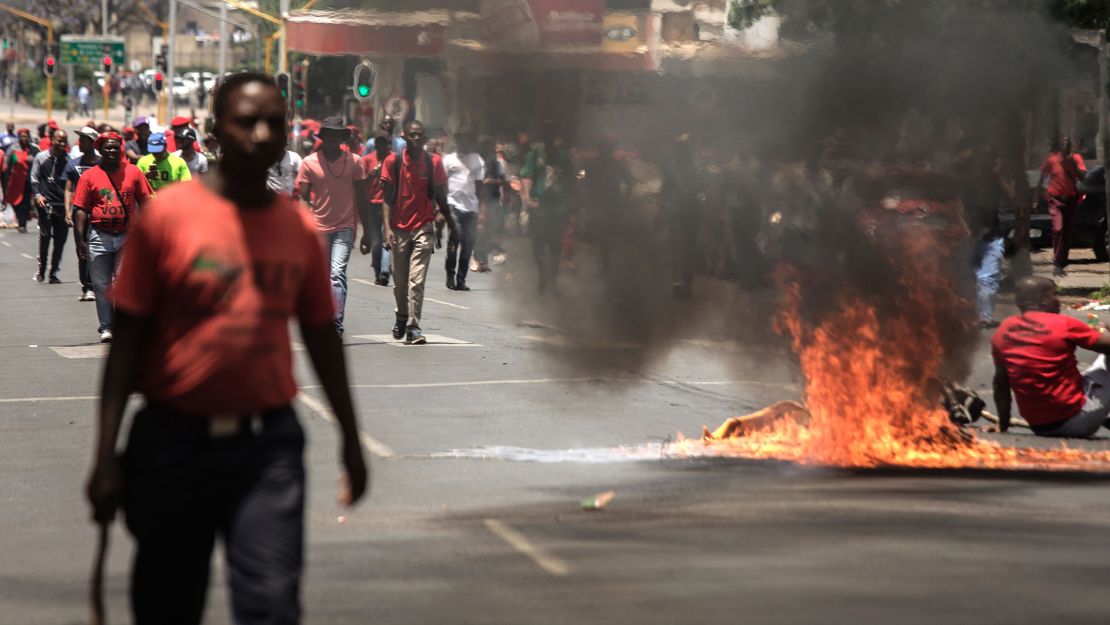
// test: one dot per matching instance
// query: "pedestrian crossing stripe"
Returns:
(100, 350)
(434, 340)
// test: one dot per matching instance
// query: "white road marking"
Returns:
(372, 445)
(363, 281)
(99, 350)
(6, 244)
(434, 340)
(426, 299)
(27, 256)
(537, 554)
(32, 400)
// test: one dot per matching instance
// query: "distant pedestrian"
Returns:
(983, 192)
(414, 186)
(83, 97)
(332, 183)
(491, 220)
(17, 177)
(465, 173)
(160, 167)
(373, 238)
(137, 148)
(388, 126)
(106, 198)
(685, 184)
(214, 271)
(546, 186)
(86, 159)
(48, 187)
(282, 175)
(1064, 170)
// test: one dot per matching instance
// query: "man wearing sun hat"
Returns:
(160, 167)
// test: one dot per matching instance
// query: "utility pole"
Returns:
(1104, 107)
(223, 41)
(104, 17)
(170, 60)
(283, 50)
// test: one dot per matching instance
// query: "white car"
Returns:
(182, 91)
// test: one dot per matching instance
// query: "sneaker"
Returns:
(37, 277)
(399, 329)
(106, 336)
(451, 282)
(87, 296)
(54, 279)
(383, 279)
(415, 337)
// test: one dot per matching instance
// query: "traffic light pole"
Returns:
(170, 61)
(49, 46)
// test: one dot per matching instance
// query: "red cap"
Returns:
(105, 137)
(181, 121)
(52, 124)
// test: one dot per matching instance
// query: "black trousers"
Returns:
(52, 227)
(185, 488)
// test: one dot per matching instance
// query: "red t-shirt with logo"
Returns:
(369, 164)
(1063, 172)
(96, 194)
(220, 284)
(1037, 350)
(413, 207)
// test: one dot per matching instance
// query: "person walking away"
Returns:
(48, 188)
(83, 96)
(465, 173)
(1064, 169)
(1034, 357)
(195, 161)
(373, 237)
(491, 222)
(160, 167)
(214, 271)
(86, 160)
(685, 185)
(282, 175)
(17, 177)
(983, 189)
(546, 185)
(107, 196)
(608, 184)
(414, 185)
(332, 183)
(137, 148)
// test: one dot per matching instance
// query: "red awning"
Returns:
(410, 34)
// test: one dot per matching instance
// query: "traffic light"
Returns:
(283, 86)
(50, 66)
(364, 81)
(157, 82)
(300, 88)
(107, 64)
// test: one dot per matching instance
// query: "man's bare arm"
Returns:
(387, 208)
(1002, 399)
(444, 209)
(130, 335)
(326, 352)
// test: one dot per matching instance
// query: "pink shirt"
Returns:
(332, 185)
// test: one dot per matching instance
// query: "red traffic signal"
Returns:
(157, 82)
(50, 66)
(107, 64)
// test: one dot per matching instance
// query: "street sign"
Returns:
(75, 50)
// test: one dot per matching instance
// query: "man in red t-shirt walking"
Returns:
(373, 235)
(214, 271)
(104, 200)
(1064, 170)
(1034, 356)
(414, 185)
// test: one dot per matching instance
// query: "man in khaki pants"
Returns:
(414, 185)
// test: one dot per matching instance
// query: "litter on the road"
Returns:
(598, 501)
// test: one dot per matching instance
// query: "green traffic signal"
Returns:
(364, 90)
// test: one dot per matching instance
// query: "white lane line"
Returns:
(27, 256)
(31, 400)
(434, 340)
(372, 445)
(6, 244)
(426, 299)
(537, 554)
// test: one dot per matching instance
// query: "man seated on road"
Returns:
(1034, 355)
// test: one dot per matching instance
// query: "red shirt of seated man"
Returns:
(1034, 356)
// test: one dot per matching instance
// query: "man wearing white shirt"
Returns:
(282, 177)
(465, 171)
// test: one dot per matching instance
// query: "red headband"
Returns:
(102, 139)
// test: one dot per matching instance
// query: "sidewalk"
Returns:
(23, 114)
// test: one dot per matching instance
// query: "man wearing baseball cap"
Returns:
(87, 157)
(186, 138)
(137, 149)
(159, 166)
(177, 125)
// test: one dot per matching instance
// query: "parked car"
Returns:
(182, 91)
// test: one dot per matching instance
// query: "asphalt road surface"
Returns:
(483, 443)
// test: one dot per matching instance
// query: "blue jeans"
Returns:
(379, 256)
(105, 250)
(339, 243)
(461, 248)
(988, 274)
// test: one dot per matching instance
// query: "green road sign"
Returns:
(91, 50)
